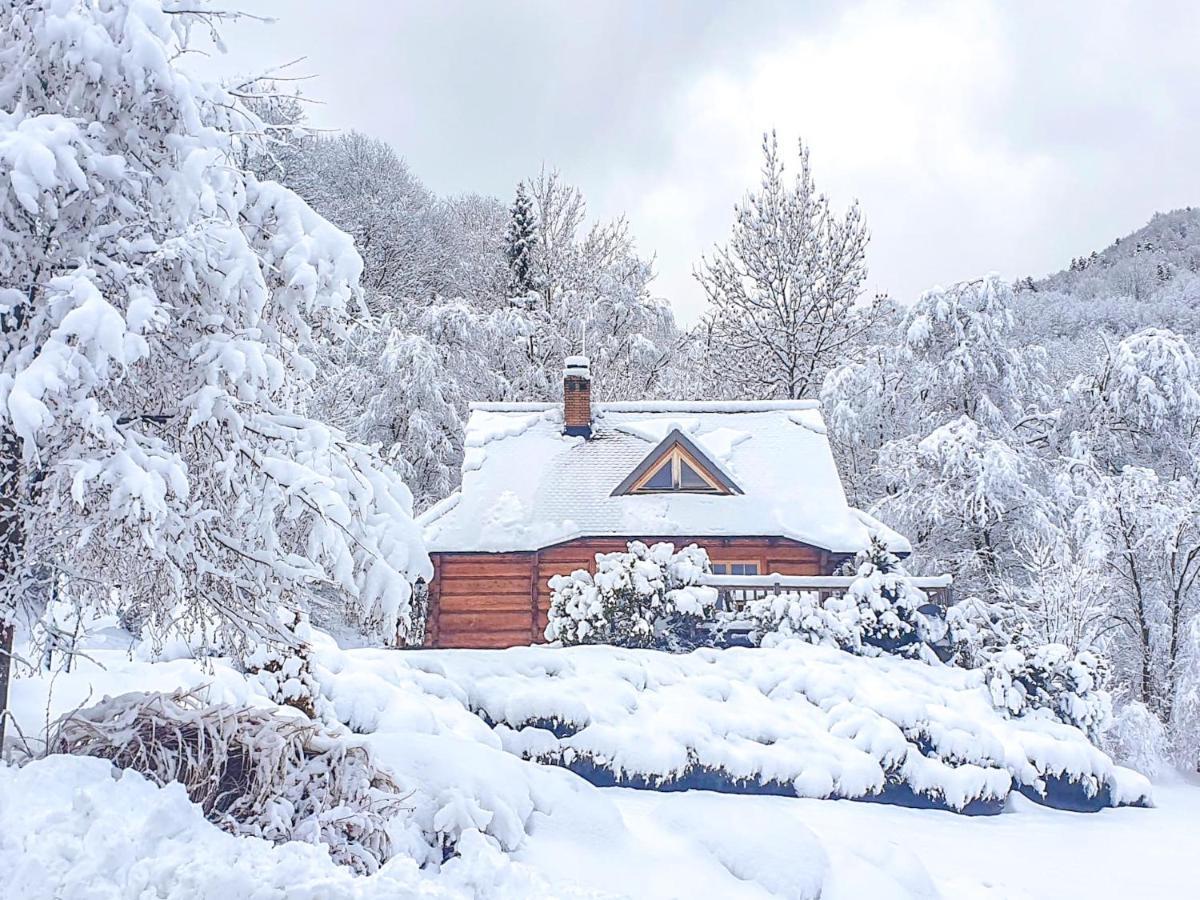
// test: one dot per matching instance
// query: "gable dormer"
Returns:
(676, 466)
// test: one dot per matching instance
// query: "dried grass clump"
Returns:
(252, 771)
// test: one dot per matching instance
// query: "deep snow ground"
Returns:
(67, 830)
(1027, 852)
(527, 830)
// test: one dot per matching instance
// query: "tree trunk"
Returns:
(1146, 692)
(10, 547)
(6, 645)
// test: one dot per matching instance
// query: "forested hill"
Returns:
(1147, 279)
(1162, 256)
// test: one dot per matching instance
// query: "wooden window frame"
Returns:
(730, 563)
(674, 457)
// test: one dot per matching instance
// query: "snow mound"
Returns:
(794, 720)
(69, 828)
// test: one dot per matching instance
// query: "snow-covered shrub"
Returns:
(1024, 674)
(1138, 739)
(283, 667)
(1055, 678)
(976, 631)
(887, 602)
(879, 612)
(779, 617)
(252, 771)
(645, 597)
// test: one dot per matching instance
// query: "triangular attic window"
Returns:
(676, 466)
(690, 478)
(662, 479)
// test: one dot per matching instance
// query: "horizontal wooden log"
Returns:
(450, 621)
(472, 568)
(454, 603)
(492, 640)
(793, 567)
(497, 584)
(456, 555)
(567, 563)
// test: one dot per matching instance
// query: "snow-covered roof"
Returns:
(526, 485)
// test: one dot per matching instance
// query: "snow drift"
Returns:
(796, 720)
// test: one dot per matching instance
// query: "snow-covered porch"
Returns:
(737, 590)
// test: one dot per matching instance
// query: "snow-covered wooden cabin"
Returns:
(547, 486)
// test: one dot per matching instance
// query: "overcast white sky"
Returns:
(977, 135)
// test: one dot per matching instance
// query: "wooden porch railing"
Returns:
(736, 590)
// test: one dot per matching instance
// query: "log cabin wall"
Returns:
(481, 600)
(492, 600)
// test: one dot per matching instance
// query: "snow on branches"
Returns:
(880, 612)
(157, 311)
(252, 771)
(938, 425)
(783, 290)
(1067, 516)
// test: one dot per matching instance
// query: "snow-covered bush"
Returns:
(881, 613)
(645, 597)
(1023, 673)
(252, 771)
(1138, 739)
(1054, 678)
(779, 617)
(283, 667)
(878, 613)
(976, 631)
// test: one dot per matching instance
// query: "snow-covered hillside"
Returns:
(1149, 278)
(1161, 257)
(815, 719)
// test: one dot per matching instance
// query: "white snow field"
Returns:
(820, 721)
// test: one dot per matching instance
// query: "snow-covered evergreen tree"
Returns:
(158, 306)
(520, 244)
(880, 612)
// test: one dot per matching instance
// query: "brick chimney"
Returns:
(577, 396)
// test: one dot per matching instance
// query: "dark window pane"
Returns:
(751, 568)
(660, 480)
(718, 568)
(689, 478)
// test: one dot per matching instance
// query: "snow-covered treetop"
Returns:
(961, 338)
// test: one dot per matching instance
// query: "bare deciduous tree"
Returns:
(784, 290)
